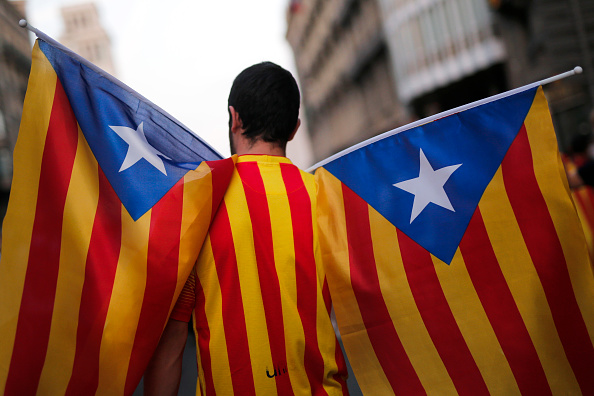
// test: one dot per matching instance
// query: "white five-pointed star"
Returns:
(138, 148)
(428, 187)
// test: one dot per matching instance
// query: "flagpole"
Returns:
(24, 24)
(443, 114)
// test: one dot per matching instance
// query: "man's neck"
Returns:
(260, 147)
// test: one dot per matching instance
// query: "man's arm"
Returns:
(164, 370)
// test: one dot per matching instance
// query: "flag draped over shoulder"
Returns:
(455, 258)
(110, 203)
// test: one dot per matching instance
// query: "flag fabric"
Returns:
(455, 258)
(110, 203)
(259, 293)
(454, 255)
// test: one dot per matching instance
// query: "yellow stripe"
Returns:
(207, 274)
(333, 242)
(325, 330)
(197, 210)
(79, 215)
(253, 306)
(283, 244)
(403, 310)
(18, 223)
(550, 174)
(474, 326)
(125, 305)
(524, 283)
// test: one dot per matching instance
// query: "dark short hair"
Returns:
(266, 97)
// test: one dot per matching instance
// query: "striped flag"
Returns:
(455, 258)
(110, 203)
(262, 308)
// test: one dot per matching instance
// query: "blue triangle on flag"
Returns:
(476, 139)
(101, 107)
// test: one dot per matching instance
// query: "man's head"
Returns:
(264, 100)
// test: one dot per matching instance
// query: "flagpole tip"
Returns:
(23, 23)
(578, 70)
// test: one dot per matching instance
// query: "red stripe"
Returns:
(102, 260)
(221, 175)
(37, 304)
(438, 318)
(161, 280)
(232, 304)
(306, 273)
(257, 203)
(501, 309)
(545, 249)
(204, 338)
(221, 170)
(365, 283)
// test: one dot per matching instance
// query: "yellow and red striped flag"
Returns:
(259, 294)
(110, 203)
(455, 258)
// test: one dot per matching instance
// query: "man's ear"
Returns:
(292, 135)
(236, 123)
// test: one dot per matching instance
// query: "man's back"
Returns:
(261, 303)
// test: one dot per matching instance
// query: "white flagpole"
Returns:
(24, 24)
(459, 109)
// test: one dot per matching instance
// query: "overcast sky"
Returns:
(184, 54)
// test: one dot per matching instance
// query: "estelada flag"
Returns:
(455, 258)
(110, 203)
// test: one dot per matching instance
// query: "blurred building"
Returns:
(84, 35)
(444, 52)
(546, 37)
(15, 63)
(367, 66)
(344, 70)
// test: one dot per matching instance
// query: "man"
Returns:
(258, 293)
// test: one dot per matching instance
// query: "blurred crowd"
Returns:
(579, 159)
(579, 166)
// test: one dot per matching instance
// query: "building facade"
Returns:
(548, 37)
(449, 52)
(15, 63)
(84, 35)
(444, 53)
(367, 66)
(344, 70)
